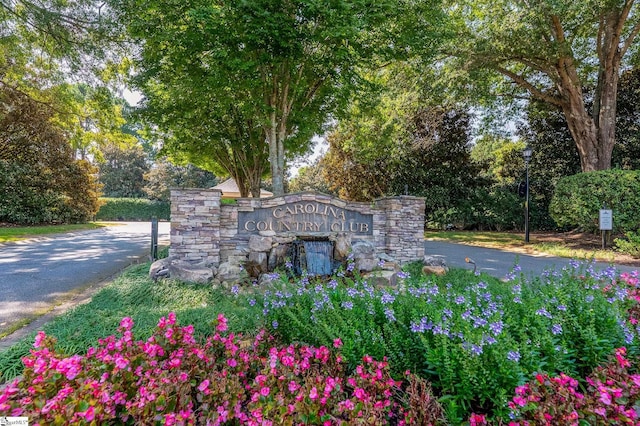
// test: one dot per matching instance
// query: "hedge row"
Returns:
(578, 199)
(133, 209)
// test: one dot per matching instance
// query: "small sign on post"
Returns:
(606, 224)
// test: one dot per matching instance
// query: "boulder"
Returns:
(434, 261)
(437, 270)
(382, 279)
(258, 263)
(187, 272)
(180, 270)
(160, 268)
(260, 243)
(277, 256)
(342, 245)
(364, 264)
(231, 272)
(363, 249)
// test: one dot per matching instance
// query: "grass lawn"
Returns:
(15, 233)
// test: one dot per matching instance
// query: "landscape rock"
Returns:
(260, 243)
(364, 264)
(382, 279)
(187, 272)
(342, 245)
(171, 267)
(363, 249)
(277, 256)
(437, 270)
(434, 261)
(160, 268)
(258, 264)
(231, 272)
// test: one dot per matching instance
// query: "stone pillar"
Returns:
(195, 225)
(404, 224)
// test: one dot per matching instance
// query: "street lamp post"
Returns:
(526, 154)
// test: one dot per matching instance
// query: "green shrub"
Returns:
(474, 338)
(133, 209)
(30, 195)
(630, 244)
(578, 199)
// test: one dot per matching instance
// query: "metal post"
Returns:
(154, 239)
(526, 154)
(526, 208)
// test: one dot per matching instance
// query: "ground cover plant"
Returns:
(493, 351)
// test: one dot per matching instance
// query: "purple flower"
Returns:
(556, 329)
(274, 324)
(386, 298)
(235, 290)
(496, 327)
(460, 300)
(543, 312)
(513, 356)
(562, 308)
(403, 274)
(388, 312)
(252, 302)
(347, 305)
(476, 349)
(333, 284)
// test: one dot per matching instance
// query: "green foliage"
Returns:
(474, 338)
(40, 181)
(165, 175)
(122, 171)
(578, 199)
(630, 244)
(133, 209)
(297, 62)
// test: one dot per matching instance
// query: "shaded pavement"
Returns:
(39, 274)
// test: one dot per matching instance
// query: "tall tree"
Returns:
(551, 51)
(286, 63)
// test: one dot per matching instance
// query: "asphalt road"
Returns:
(499, 263)
(37, 274)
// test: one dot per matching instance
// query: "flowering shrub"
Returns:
(612, 397)
(473, 338)
(171, 379)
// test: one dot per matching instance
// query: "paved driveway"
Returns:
(499, 263)
(37, 274)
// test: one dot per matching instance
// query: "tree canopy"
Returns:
(552, 51)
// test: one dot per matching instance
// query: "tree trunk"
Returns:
(277, 172)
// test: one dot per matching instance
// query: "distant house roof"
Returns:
(230, 189)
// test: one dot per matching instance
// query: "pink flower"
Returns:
(293, 386)
(231, 362)
(204, 385)
(605, 398)
(360, 393)
(126, 323)
(313, 394)
(337, 343)
(265, 391)
(477, 419)
(171, 318)
(88, 415)
(222, 323)
(39, 339)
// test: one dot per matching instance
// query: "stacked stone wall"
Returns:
(195, 225)
(203, 230)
